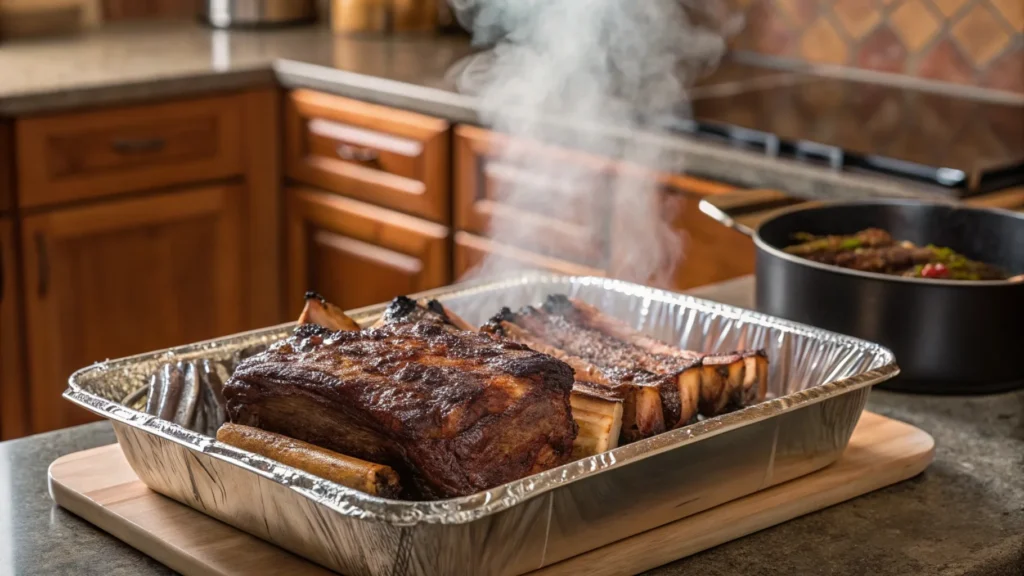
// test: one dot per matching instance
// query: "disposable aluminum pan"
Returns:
(818, 386)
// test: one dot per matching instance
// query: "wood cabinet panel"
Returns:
(125, 277)
(554, 218)
(711, 252)
(356, 254)
(264, 206)
(497, 193)
(13, 407)
(74, 156)
(6, 168)
(471, 250)
(392, 158)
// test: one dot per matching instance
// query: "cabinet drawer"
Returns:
(85, 155)
(471, 250)
(388, 157)
(500, 193)
(356, 254)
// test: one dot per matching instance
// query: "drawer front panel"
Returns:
(69, 157)
(388, 157)
(507, 198)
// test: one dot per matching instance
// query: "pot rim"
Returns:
(774, 251)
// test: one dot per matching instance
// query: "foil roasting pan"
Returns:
(818, 386)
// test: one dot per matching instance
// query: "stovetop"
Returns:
(963, 146)
(960, 146)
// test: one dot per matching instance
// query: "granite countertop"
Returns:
(964, 516)
(121, 64)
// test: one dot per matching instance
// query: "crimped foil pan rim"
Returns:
(353, 503)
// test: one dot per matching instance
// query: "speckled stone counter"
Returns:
(122, 64)
(964, 516)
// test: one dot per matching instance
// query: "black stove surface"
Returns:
(965, 146)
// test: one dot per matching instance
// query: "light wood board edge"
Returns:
(851, 476)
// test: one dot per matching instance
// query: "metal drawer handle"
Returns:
(351, 153)
(138, 145)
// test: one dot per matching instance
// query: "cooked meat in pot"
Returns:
(875, 250)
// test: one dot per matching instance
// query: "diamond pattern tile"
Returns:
(883, 51)
(768, 32)
(1007, 73)
(915, 24)
(949, 7)
(980, 34)
(1012, 11)
(945, 62)
(858, 17)
(979, 42)
(822, 43)
(799, 12)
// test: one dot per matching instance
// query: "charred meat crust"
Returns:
(642, 413)
(620, 363)
(405, 309)
(399, 310)
(687, 382)
(746, 368)
(455, 412)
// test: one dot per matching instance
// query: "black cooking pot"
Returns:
(948, 336)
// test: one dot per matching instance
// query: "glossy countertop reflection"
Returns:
(928, 128)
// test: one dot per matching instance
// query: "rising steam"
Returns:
(612, 64)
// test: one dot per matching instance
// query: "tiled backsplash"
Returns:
(978, 42)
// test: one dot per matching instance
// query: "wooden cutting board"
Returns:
(99, 486)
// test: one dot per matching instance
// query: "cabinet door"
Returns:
(6, 168)
(711, 252)
(13, 409)
(355, 254)
(125, 277)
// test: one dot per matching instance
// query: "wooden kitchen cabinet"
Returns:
(388, 157)
(14, 418)
(569, 232)
(471, 250)
(356, 254)
(496, 190)
(711, 252)
(82, 155)
(123, 277)
(6, 168)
